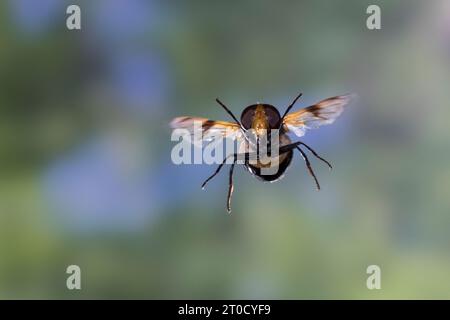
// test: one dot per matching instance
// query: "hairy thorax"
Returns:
(265, 158)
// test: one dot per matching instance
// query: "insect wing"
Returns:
(321, 113)
(203, 131)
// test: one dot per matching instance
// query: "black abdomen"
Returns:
(274, 177)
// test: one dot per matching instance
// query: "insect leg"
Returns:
(308, 164)
(316, 155)
(215, 173)
(230, 188)
(235, 158)
(288, 147)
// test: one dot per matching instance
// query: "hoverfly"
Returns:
(260, 119)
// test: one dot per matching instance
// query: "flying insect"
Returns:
(256, 123)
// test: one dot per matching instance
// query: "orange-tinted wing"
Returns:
(203, 131)
(321, 113)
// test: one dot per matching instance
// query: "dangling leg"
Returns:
(288, 147)
(235, 157)
(308, 164)
(316, 155)
(215, 173)
(295, 144)
(230, 188)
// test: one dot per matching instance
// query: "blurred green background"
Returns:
(87, 179)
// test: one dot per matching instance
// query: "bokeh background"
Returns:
(86, 175)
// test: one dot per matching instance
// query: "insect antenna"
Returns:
(231, 114)
(289, 108)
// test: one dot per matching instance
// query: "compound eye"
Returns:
(273, 116)
(247, 117)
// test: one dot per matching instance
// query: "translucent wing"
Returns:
(321, 113)
(203, 131)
